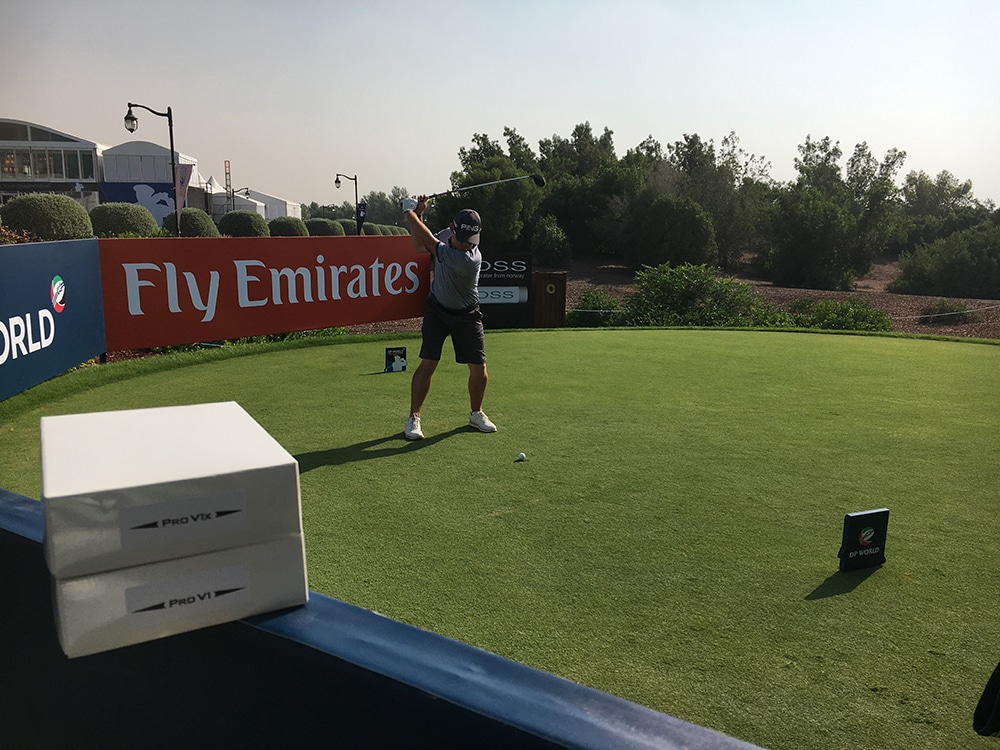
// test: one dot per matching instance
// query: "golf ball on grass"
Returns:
(520, 456)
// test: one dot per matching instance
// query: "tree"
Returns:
(826, 230)
(963, 264)
(549, 245)
(506, 209)
(670, 230)
(934, 208)
(810, 232)
(730, 184)
(875, 204)
(582, 155)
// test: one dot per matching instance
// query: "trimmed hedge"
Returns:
(350, 226)
(47, 216)
(194, 223)
(320, 227)
(243, 224)
(116, 219)
(287, 226)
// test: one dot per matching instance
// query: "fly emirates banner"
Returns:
(186, 290)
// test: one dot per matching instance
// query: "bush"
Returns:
(370, 229)
(964, 264)
(194, 223)
(47, 216)
(549, 244)
(324, 228)
(15, 237)
(243, 224)
(596, 308)
(691, 295)
(117, 219)
(947, 312)
(287, 226)
(350, 226)
(670, 230)
(852, 314)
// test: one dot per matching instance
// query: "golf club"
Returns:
(536, 178)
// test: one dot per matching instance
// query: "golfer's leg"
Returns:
(420, 384)
(477, 386)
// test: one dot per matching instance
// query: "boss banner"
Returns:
(51, 317)
(188, 289)
(505, 291)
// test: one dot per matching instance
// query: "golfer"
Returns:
(451, 309)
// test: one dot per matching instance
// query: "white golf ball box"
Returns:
(169, 502)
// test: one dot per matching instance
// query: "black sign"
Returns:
(863, 544)
(395, 359)
(505, 291)
(361, 212)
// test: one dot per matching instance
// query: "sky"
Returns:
(292, 93)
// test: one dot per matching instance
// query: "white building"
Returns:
(247, 199)
(38, 159)
(275, 206)
(140, 172)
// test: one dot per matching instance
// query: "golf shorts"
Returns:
(465, 328)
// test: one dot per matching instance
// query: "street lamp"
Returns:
(359, 214)
(232, 196)
(132, 124)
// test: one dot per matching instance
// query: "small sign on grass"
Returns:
(863, 543)
(395, 359)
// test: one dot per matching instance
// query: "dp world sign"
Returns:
(51, 312)
(863, 543)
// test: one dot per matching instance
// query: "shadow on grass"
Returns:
(391, 445)
(841, 583)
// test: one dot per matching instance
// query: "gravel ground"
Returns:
(903, 309)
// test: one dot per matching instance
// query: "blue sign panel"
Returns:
(158, 197)
(51, 312)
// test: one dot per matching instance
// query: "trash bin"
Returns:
(549, 291)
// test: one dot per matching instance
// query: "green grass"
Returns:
(672, 535)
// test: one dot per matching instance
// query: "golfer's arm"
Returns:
(422, 238)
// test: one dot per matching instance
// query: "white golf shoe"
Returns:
(481, 422)
(412, 430)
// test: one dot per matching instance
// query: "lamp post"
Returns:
(359, 217)
(132, 124)
(232, 196)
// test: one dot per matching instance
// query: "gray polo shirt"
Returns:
(455, 284)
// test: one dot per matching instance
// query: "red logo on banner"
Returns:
(162, 292)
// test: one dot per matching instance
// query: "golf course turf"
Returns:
(671, 536)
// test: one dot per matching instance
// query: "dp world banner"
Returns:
(185, 290)
(51, 316)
